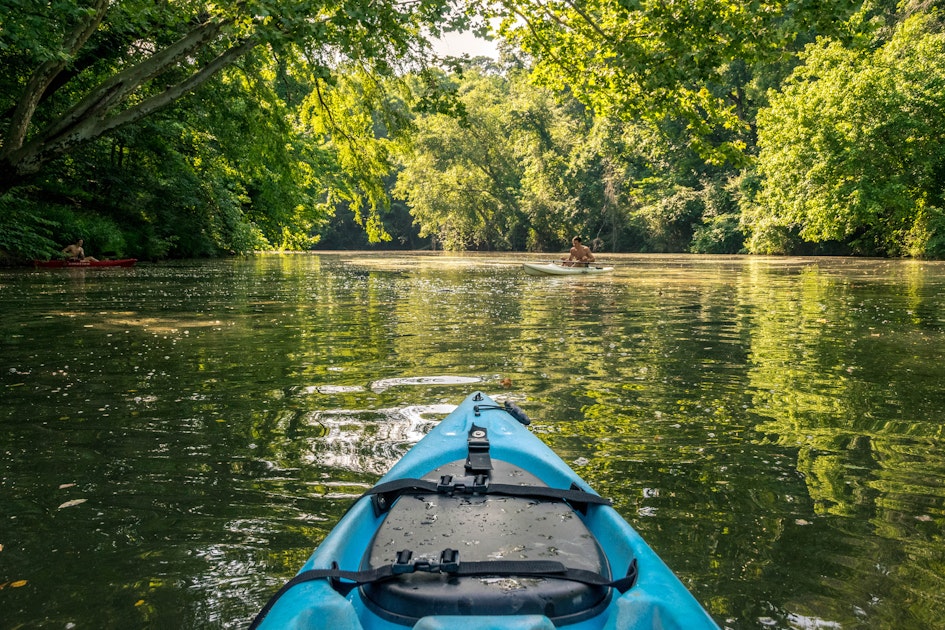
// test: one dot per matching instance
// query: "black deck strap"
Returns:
(549, 569)
(477, 459)
(383, 495)
(450, 564)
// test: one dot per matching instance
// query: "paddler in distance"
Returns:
(580, 253)
(76, 252)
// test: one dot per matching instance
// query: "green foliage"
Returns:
(32, 230)
(764, 234)
(546, 140)
(342, 232)
(630, 124)
(24, 233)
(540, 168)
(523, 168)
(194, 122)
(668, 221)
(719, 231)
(357, 148)
(258, 168)
(656, 61)
(852, 150)
(196, 179)
(926, 237)
(102, 236)
(461, 178)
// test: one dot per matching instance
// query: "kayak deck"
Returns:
(483, 528)
(478, 525)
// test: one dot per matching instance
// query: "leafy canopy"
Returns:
(852, 149)
(658, 59)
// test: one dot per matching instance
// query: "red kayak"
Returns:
(57, 264)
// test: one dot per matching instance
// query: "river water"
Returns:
(176, 438)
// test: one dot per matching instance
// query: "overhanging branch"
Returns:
(44, 75)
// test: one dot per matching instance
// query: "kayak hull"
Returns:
(555, 269)
(83, 264)
(656, 600)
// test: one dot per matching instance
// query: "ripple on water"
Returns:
(337, 389)
(386, 383)
(367, 441)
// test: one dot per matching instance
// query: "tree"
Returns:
(513, 170)
(688, 62)
(358, 120)
(461, 178)
(852, 149)
(72, 73)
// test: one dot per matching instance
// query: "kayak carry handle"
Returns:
(508, 407)
(516, 412)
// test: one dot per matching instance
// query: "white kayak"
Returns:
(564, 269)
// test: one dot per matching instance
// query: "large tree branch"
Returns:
(117, 88)
(47, 72)
(171, 94)
(96, 122)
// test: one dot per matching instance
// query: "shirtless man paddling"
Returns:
(579, 252)
(76, 252)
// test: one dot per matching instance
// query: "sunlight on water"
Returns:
(381, 385)
(367, 441)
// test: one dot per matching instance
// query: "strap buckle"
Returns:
(445, 485)
(402, 564)
(448, 563)
(479, 485)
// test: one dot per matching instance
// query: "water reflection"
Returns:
(381, 385)
(771, 426)
(366, 441)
